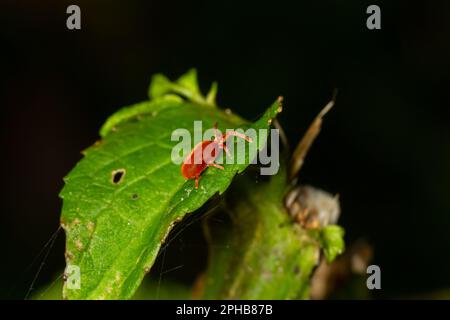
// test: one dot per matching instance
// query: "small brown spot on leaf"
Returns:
(98, 143)
(118, 277)
(134, 196)
(91, 226)
(78, 245)
(280, 107)
(68, 255)
(117, 176)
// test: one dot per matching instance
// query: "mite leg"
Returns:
(196, 182)
(215, 165)
(237, 134)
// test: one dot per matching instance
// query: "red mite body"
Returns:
(205, 153)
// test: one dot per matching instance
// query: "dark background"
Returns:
(385, 148)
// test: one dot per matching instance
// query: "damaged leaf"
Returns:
(121, 200)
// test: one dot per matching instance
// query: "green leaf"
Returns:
(332, 241)
(189, 81)
(121, 200)
(138, 110)
(211, 96)
(150, 289)
(186, 86)
(261, 254)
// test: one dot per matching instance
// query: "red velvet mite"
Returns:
(191, 170)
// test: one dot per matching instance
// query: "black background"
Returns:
(385, 148)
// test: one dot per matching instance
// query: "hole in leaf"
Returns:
(296, 269)
(135, 196)
(117, 176)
